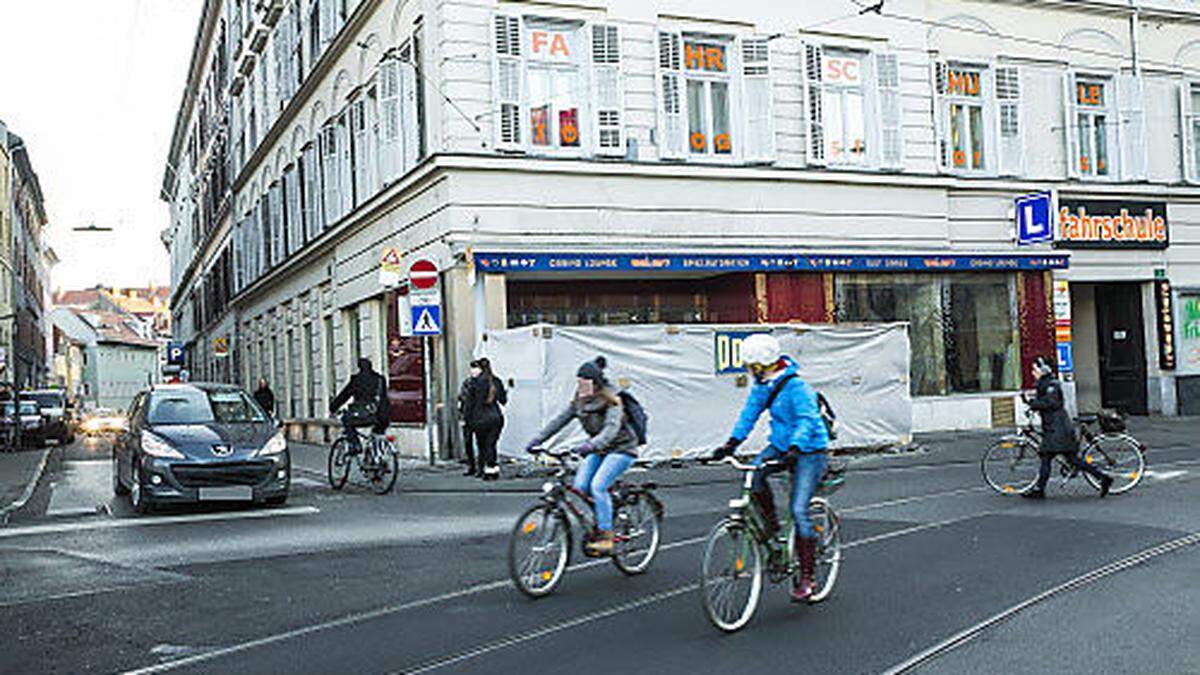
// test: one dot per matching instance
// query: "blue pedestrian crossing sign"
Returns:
(426, 320)
(1035, 218)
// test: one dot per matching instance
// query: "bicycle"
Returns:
(378, 461)
(1010, 465)
(539, 548)
(734, 551)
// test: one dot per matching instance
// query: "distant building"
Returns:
(119, 356)
(25, 259)
(148, 304)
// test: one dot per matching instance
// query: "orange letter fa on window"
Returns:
(558, 44)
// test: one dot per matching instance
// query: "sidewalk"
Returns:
(932, 449)
(19, 472)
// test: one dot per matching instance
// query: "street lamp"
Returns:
(91, 228)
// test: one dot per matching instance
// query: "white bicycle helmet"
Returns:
(761, 349)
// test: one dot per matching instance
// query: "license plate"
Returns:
(232, 493)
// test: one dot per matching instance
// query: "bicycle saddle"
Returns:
(1088, 418)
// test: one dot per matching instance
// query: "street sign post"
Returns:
(423, 275)
(1035, 218)
(426, 320)
(425, 303)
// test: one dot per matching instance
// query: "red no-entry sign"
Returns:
(423, 274)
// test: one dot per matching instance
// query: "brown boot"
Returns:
(602, 545)
(807, 551)
(765, 501)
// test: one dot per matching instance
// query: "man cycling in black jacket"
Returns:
(370, 407)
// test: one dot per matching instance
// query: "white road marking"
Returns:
(1165, 475)
(502, 583)
(109, 524)
(966, 635)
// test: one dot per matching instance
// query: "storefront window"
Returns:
(913, 298)
(960, 326)
(981, 347)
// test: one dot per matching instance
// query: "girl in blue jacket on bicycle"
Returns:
(797, 432)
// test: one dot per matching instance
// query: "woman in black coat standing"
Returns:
(1058, 433)
(483, 397)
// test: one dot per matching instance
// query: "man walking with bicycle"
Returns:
(370, 406)
(1058, 436)
(797, 432)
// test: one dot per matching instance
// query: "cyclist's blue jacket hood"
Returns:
(795, 420)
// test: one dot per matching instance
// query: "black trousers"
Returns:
(469, 446)
(1072, 459)
(487, 437)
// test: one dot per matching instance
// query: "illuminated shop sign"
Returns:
(625, 262)
(1094, 223)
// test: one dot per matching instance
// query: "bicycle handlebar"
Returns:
(742, 466)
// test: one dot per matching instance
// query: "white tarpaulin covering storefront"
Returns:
(862, 370)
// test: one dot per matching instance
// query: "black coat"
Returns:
(266, 400)
(1058, 433)
(367, 387)
(478, 411)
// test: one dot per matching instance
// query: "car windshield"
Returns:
(195, 406)
(47, 400)
(29, 408)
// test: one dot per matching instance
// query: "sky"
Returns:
(92, 86)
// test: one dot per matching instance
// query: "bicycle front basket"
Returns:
(1111, 421)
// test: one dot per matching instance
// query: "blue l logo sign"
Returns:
(1035, 218)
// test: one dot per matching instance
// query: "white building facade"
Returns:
(607, 162)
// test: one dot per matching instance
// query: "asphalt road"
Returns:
(416, 582)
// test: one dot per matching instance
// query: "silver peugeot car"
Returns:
(187, 443)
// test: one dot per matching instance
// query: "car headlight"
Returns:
(276, 445)
(156, 447)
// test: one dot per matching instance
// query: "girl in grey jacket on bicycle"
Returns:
(611, 447)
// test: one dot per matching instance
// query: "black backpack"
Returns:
(636, 415)
(828, 416)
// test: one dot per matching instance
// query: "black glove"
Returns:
(534, 448)
(726, 450)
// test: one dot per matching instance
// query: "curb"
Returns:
(7, 511)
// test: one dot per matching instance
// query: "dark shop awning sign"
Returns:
(1111, 223)
(783, 262)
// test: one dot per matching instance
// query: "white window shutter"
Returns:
(410, 122)
(1132, 128)
(759, 144)
(345, 165)
(314, 217)
(1070, 125)
(362, 152)
(608, 91)
(813, 58)
(1187, 135)
(891, 133)
(275, 223)
(941, 118)
(328, 12)
(329, 174)
(1012, 127)
(295, 217)
(672, 134)
(389, 120)
(507, 81)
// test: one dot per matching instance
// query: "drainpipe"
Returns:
(1135, 29)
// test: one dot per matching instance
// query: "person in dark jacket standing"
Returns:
(485, 395)
(370, 406)
(265, 397)
(1058, 434)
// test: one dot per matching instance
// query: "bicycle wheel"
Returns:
(339, 463)
(1119, 456)
(538, 550)
(731, 576)
(1010, 465)
(385, 469)
(636, 526)
(829, 548)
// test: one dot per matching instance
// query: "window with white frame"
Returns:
(397, 125)
(965, 93)
(1194, 126)
(1093, 121)
(310, 170)
(715, 97)
(330, 182)
(558, 87)
(293, 211)
(853, 107)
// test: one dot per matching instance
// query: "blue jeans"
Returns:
(597, 473)
(809, 468)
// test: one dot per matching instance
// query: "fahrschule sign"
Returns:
(1103, 223)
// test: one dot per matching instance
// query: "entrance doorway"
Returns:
(1122, 348)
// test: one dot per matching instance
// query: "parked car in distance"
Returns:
(23, 423)
(102, 421)
(53, 406)
(200, 442)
